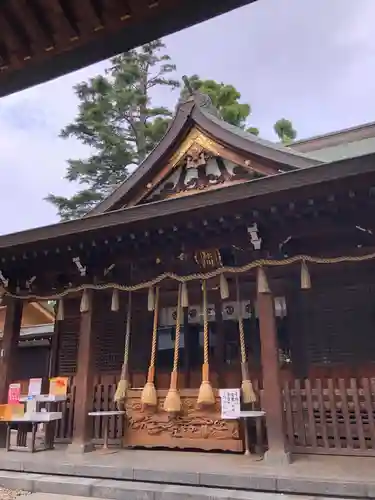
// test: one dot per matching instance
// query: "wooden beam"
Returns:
(63, 30)
(9, 346)
(17, 50)
(26, 14)
(88, 19)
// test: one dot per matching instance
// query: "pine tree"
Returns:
(285, 131)
(226, 99)
(117, 121)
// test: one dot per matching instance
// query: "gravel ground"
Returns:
(11, 494)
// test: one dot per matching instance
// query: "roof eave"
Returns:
(248, 190)
(289, 160)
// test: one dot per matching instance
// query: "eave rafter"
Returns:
(88, 18)
(64, 30)
(40, 34)
(117, 11)
(17, 48)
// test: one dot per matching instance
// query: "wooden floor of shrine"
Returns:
(308, 474)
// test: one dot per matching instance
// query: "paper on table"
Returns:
(35, 387)
(230, 403)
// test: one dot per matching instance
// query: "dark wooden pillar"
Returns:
(54, 348)
(272, 397)
(8, 353)
(84, 381)
(9, 345)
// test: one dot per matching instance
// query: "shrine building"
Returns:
(223, 261)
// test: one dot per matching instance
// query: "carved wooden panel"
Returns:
(199, 172)
(193, 428)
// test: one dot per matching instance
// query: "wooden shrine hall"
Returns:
(224, 261)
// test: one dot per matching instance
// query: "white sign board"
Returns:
(35, 387)
(230, 403)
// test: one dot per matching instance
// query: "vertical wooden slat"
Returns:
(332, 404)
(105, 385)
(369, 409)
(97, 407)
(322, 413)
(358, 415)
(301, 431)
(311, 418)
(345, 412)
(288, 413)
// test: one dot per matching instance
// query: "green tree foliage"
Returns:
(117, 121)
(285, 131)
(226, 99)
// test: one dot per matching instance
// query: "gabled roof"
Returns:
(347, 143)
(197, 112)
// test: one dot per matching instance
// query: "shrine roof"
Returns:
(198, 113)
(253, 190)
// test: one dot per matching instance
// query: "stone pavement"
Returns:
(257, 496)
(153, 474)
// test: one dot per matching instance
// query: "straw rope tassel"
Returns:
(305, 277)
(248, 394)
(123, 385)
(149, 395)
(115, 302)
(206, 395)
(172, 403)
(60, 310)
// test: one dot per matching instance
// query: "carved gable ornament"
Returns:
(199, 164)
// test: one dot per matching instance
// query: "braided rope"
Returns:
(240, 324)
(127, 335)
(205, 323)
(155, 328)
(196, 276)
(178, 331)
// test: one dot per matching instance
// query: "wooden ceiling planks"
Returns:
(43, 39)
(88, 18)
(40, 37)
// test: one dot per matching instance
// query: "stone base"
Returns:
(77, 448)
(278, 458)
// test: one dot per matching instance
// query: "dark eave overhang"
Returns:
(251, 190)
(148, 20)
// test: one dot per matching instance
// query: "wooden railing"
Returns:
(323, 416)
(331, 416)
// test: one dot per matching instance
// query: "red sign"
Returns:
(14, 393)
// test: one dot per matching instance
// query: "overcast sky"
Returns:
(312, 61)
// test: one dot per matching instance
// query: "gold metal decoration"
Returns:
(195, 138)
(208, 258)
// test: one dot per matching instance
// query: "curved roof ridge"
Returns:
(252, 138)
(180, 117)
(198, 108)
